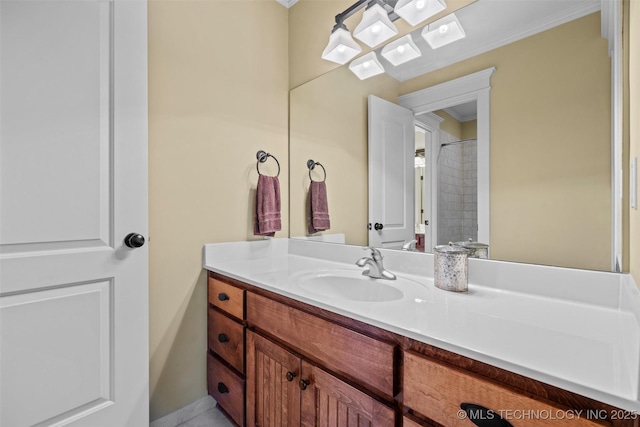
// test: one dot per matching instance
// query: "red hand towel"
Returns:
(318, 207)
(267, 220)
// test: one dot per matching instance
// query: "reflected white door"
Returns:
(391, 174)
(73, 183)
(427, 195)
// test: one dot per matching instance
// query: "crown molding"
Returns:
(459, 117)
(287, 3)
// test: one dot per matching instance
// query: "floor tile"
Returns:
(211, 418)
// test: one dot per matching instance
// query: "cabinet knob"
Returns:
(290, 376)
(222, 388)
(223, 297)
(223, 338)
(483, 417)
(303, 384)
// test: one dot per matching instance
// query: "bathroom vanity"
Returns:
(284, 350)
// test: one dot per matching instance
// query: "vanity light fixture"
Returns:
(400, 51)
(416, 11)
(375, 27)
(443, 31)
(342, 47)
(366, 66)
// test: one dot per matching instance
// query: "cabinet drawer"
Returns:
(227, 297)
(341, 350)
(226, 388)
(226, 338)
(436, 391)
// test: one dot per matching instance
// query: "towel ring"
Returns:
(311, 165)
(262, 157)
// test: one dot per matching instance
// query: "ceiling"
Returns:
(287, 3)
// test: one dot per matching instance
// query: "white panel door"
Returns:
(73, 184)
(391, 168)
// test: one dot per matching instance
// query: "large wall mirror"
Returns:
(547, 149)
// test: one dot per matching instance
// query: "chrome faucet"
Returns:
(410, 245)
(376, 269)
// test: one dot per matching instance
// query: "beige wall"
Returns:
(310, 24)
(213, 103)
(634, 91)
(450, 124)
(469, 129)
(340, 146)
(460, 130)
(550, 150)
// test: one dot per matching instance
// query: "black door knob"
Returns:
(134, 240)
(304, 384)
(290, 376)
(223, 388)
(378, 226)
(223, 338)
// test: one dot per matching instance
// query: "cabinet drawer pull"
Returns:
(223, 338)
(304, 384)
(483, 417)
(223, 297)
(290, 376)
(222, 388)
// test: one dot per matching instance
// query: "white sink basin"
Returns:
(349, 284)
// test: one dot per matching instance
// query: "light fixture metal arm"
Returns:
(358, 5)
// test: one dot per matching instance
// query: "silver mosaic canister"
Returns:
(476, 249)
(450, 268)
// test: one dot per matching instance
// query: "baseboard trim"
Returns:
(185, 413)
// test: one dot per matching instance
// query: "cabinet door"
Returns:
(328, 401)
(273, 393)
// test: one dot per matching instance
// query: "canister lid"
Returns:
(470, 244)
(451, 249)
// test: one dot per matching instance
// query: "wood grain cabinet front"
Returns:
(226, 339)
(353, 355)
(327, 401)
(227, 388)
(285, 390)
(227, 298)
(453, 397)
(273, 392)
(226, 344)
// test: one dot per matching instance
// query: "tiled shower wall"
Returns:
(470, 190)
(457, 191)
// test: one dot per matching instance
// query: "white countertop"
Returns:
(575, 329)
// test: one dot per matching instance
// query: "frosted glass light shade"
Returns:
(443, 31)
(341, 47)
(375, 27)
(416, 11)
(366, 66)
(400, 51)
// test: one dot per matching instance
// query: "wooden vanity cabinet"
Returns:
(306, 366)
(226, 343)
(284, 389)
(328, 401)
(437, 391)
(273, 393)
(291, 358)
